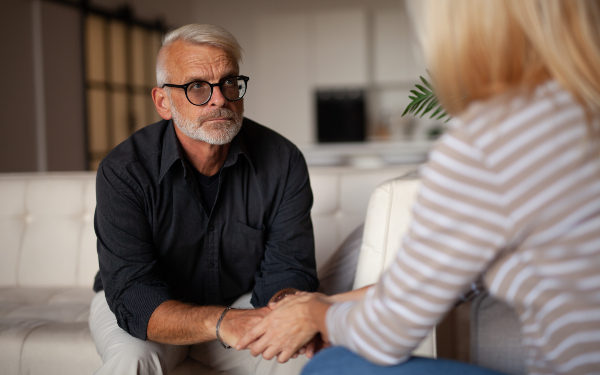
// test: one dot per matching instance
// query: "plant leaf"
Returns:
(438, 110)
(431, 106)
(423, 104)
(426, 83)
(425, 101)
(424, 90)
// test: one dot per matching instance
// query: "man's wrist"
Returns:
(218, 327)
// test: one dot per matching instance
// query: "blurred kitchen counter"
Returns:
(366, 154)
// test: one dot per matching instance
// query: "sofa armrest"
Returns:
(388, 217)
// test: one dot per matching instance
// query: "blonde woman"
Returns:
(511, 192)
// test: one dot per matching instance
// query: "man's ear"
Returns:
(162, 103)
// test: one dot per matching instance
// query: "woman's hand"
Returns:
(291, 325)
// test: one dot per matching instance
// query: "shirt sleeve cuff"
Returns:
(263, 291)
(139, 303)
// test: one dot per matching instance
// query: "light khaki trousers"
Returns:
(123, 354)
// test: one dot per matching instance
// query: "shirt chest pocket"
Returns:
(244, 245)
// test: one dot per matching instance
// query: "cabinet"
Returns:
(339, 48)
(298, 53)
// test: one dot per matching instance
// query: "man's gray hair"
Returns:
(197, 34)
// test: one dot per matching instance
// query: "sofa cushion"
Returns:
(42, 328)
(58, 348)
(52, 304)
(337, 275)
(496, 340)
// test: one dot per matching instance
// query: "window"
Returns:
(120, 60)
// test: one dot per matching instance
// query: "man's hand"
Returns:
(289, 327)
(237, 322)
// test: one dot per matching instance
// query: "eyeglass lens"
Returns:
(232, 89)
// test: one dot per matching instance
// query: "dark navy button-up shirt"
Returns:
(156, 241)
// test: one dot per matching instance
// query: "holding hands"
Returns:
(291, 328)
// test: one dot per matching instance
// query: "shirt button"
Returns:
(211, 265)
(211, 228)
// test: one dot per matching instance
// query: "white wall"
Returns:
(292, 48)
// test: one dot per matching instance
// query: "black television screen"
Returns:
(341, 115)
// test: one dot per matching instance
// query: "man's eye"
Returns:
(196, 85)
(229, 81)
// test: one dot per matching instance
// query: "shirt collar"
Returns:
(239, 146)
(171, 150)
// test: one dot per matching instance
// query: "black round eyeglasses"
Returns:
(200, 92)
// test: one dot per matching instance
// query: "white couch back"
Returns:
(46, 229)
(46, 221)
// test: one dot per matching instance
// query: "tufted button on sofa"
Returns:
(48, 260)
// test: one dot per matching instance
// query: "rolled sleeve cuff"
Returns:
(139, 303)
(264, 290)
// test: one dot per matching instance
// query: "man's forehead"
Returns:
(184, 52)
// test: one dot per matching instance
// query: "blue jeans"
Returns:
(339, 360)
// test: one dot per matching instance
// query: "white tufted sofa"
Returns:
(48, 258)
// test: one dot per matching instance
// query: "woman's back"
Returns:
(543, 180)
(512, 192)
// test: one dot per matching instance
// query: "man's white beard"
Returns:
(214, 133)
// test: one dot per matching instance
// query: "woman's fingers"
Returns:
(252, 335)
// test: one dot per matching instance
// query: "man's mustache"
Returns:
(219, 113)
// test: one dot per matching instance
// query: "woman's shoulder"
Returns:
(509, 115)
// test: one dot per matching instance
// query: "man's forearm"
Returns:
(178, 323)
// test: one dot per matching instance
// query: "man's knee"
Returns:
(146, 357)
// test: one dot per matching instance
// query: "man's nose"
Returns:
(217, 99)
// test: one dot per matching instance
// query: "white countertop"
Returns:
(366, 154)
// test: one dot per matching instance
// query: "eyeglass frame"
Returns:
(212, 85)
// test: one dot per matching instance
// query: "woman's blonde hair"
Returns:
(480, 48)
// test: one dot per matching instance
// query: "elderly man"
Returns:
(196, 214)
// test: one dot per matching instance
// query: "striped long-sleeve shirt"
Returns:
(511, 192)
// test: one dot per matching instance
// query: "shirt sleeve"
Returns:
(289, 260)
(458, 227)
(126, 256)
